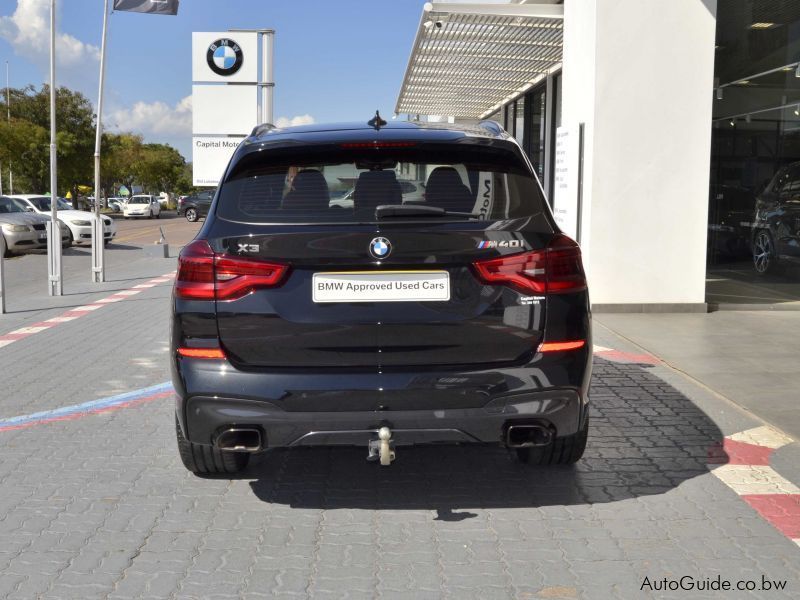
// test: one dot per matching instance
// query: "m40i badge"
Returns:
(499, 244)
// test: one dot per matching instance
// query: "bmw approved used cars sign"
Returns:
(381, 286)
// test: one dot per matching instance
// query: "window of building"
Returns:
(755, 150)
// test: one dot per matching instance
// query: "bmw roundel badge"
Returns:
(224, 57)
(380, 247)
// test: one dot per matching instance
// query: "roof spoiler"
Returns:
(261, 129)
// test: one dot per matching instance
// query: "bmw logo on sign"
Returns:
(224, 57)
(380, 247)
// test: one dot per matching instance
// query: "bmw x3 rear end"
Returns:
(461, 316)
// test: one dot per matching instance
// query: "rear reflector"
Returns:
(204, 275)
(201, 353)
(561, 346)
(555, 270)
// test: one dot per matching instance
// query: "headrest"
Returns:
(309, 192)
(446, 190)
(374, 188)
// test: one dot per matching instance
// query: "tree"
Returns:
(119, 160)
(126, 159)
(26, 139)
(25, 148)
(160, 168)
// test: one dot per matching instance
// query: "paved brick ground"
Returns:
(100, 506)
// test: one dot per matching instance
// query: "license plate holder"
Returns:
(381, 286)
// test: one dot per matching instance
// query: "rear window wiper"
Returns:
(417, 210)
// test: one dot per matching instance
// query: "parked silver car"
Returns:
(22, 230)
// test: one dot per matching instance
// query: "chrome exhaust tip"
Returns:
(526, 436)
(239, 439)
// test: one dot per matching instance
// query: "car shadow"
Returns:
(646, 438)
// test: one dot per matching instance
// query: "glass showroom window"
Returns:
(535, 138)
(754, 202)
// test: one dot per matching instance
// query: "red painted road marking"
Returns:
(80, 311)
(731, 452)
(744, 459)
(99, 405)
(781, 510)
(625, 357)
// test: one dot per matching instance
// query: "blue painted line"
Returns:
(92, 405)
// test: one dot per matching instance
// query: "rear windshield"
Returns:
(329, 184)
(140, 200)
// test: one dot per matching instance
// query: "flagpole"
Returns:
(55, 286)
(98, 237)
(8, 118)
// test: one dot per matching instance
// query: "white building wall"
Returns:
(639, 75)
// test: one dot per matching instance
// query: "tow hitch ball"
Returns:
(382, 448)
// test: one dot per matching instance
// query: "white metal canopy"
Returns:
(469, 59)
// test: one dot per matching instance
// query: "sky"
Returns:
(335, 60)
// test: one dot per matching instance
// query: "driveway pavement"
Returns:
(750, 357)
(677, 481)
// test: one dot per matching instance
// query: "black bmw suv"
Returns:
(458, 317)
(195, 206)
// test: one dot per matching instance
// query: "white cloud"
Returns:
(28, 31)
(291, 122)
(153, 119)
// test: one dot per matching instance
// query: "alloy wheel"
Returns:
(762, 252)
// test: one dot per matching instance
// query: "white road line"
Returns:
(86, 308)
(27, 330)
(75, 313)
(762, 436)
(754, 479)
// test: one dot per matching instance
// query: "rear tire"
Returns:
(201, 459)
(565, 450)
(191, 215)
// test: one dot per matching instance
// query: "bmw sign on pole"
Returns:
(224, 57)
(223, 115)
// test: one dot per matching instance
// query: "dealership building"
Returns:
(654, 127)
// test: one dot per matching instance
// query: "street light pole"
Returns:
(98, 262)
(55, 286)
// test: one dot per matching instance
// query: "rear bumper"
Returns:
(206, 417)
(340, 408)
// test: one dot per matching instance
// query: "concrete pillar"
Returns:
(639, 75)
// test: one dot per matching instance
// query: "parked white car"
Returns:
(142, 206)
(78, 222)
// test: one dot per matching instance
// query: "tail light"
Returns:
(555, 270)
(561, 346)
(207, 353)
(204, 275)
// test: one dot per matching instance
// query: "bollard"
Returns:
(160, 249)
